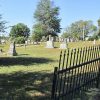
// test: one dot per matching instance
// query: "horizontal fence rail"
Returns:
(79, 70)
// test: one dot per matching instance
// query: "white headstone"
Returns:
(26, 42)
(29, 41)
(59, 39)
(49, 37)
(68, 39)
(94, 42)
(35, 43)
(52, 38)
(3, 41)
(43, 38)
(71, 40)
(63, 45)
(50, 43)
(65, 40)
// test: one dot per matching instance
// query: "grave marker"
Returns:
(50, 43)
(63, 45)
(12, 50)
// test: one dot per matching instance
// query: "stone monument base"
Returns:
(63, 46)
(50, 44)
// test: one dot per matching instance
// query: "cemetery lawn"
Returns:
(28, 76)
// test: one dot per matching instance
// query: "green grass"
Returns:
(28, 75)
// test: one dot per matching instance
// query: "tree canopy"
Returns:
(47, 21)
(2, 24)
(80, 29)
(99, 28)
(19, 30)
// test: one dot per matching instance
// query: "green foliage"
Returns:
(67, 33)
(90, 39)
(47, 19)
(80, 28)
(38, 32)
(36, 37)
(94, 37)
(99, 28)
(99, 22)
(19, 30)
(20, 40)
(2, 24)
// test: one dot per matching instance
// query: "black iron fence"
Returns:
(79, 70)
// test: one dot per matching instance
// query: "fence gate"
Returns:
(79, 70)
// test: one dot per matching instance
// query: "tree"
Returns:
(80, 29)
(99, 28)
(67, 33)
(47, 20)
(38, 32)
(2, 24)
(19, 30)
(19, 33)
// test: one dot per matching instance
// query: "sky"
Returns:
(22, 11)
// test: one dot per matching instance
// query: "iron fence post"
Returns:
(54, 83)
(98, 77)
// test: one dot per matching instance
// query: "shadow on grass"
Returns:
(1, 45)
(78, 86)
(6, 61)
(22, 54)
(25, 86)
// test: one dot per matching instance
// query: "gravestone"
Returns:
(71, 39)
(63, 45)
(29, 41)
(26, 42)
(52, 39)
(94, 42)
(3, 41)
(68, 39)
(12, 50)
(43, 39)
(50, 43)
(35, 43)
